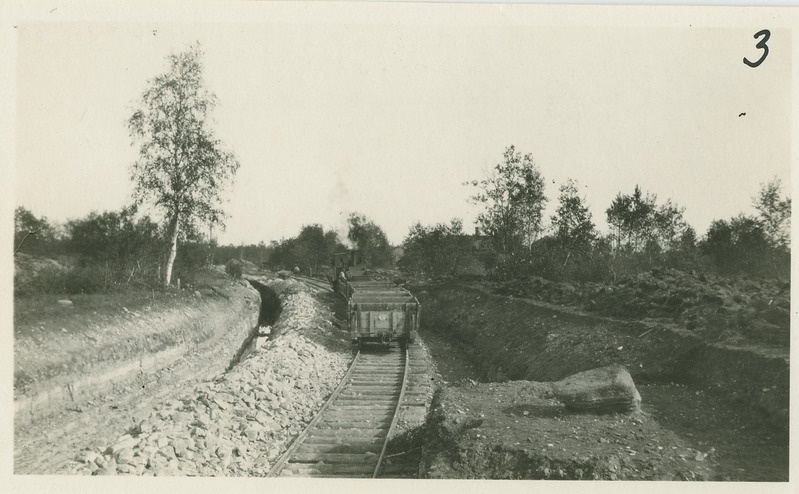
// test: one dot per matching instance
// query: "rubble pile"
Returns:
(239, 423)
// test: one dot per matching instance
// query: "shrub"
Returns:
(192, 257)
(87, 279)
(234, 268)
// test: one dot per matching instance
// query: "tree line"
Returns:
(513, 239)
(104, 250)
(125, 248)
(182, 171)
(312, 250)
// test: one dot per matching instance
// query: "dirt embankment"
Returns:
(736, 309)
(517, 430)
(506, 428)
(66, 370)
(74, 388)
(524, 339)
(241, 421)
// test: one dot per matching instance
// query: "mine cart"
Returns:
(377, 311)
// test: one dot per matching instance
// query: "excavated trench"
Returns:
(96, 402)
(92, 363)
(270, 304)
(268, 314)
(725, 400)
(236, 422)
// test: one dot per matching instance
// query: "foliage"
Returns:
(255, 253)
(573, 227)
(35, 235)
(437, 249)
(670, 226)
(182, 166)
(81, 279)
(685, 254)
(315, 246)
(548, 259)
(512, 198)
(234, 268)
(117, 247)
(774, 213)
(193, 254)
(632, 218)
(310, 250)
(99, 252)
(25, 221)
(370, 240)
(116, 239)
(738, 245)
(638, 223)
(573, 250)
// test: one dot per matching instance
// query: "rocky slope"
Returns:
(239, 422)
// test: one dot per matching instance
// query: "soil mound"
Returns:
(518, 430)
(524, 339)
(46, 358)
(28, 267)
(716, 308)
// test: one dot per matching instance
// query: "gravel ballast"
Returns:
(239, 423)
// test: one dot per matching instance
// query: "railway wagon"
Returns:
(377, 311)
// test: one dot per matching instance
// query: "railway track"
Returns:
(349, 435)
(315, 284)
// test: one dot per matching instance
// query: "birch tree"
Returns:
(572, 223)
(182, 167)
(774, 213)
(512, 201)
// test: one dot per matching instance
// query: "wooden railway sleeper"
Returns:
(348, 437)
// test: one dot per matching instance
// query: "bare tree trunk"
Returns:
(173, 249)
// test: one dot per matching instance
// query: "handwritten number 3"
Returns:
(762, 45)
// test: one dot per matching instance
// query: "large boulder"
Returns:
(602, 390)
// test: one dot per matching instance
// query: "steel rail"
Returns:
(315, 283)
(396, 414)
(290, 457)
(302, 435)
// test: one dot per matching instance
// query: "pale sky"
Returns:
(389, 119)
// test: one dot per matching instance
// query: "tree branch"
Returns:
(24, 239)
